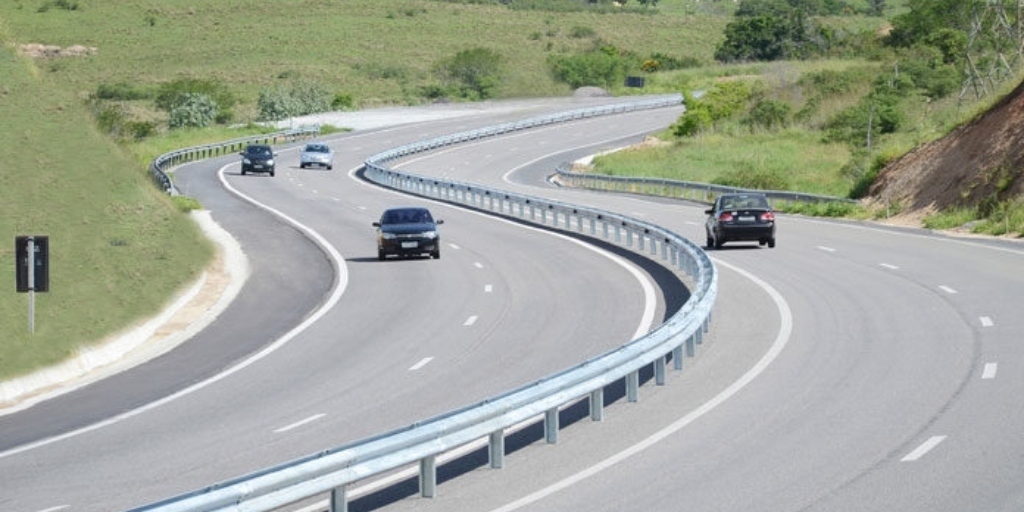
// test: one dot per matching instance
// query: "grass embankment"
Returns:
(118, 248)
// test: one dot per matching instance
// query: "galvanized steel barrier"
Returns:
(332, 471)
(158, 167)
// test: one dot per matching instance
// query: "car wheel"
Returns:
(718, 242)
(436, 254)
(302, 166)
(271, 173)
(329, 167)
(771, 243)
(243, 172)
(762, 242)
(381, 255)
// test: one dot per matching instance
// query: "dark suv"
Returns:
(257, 158)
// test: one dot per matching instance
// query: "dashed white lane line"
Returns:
(470, 321)
(55, 509)
(488, 289)
(422, 362)
(889, 266)
(925, 447)
(990, 371)
(986, 321)
(478, 265)
(826, 249)
(299, 423)
(453, 246)
(947, 289)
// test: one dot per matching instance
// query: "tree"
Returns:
(925, 17)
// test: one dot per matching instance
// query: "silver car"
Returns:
(318, 154)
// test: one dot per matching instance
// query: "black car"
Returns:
(409, 231)
(257, 158)
(740, 217)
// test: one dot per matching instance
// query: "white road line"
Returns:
(990, 371)
(889, 266)
(826, 249)
(470, 321)
(488, 289)
(453, 246)
(781, 339)
(423, 362)
(947, 289)
(55, 509)
(478, 265)
(299, 423)
(923, 449)
(986, 321)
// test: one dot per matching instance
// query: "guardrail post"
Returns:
(428, 477)
(551, 425)
(633, 386)
(496, 449)
(691, 345)
(659, 371)
(597, 404)
(339, 500)
(677, 357)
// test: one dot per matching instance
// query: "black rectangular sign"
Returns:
(41, 272)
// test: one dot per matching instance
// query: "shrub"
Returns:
(473, 74)
(274, 105)
(604, 67)
(769, 114)
(193, 111)
(168, 96)
(121, 91)
(342, 102)
(752, 178)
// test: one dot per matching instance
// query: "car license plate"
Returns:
(409, 245)
(746, 218)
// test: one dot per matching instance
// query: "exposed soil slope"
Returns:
(977, 162)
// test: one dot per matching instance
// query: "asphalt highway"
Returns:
(853, 367)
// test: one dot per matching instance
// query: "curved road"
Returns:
(854, 367)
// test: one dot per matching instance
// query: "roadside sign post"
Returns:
(33, 270)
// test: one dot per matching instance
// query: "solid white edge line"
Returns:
(922, 450)
(340, 284)
(947, 289)
(781, 339)
(986, 321)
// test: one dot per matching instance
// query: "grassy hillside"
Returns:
(118, 248)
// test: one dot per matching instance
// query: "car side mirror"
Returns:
(241, 153)
(439, 221)
(376, 224)
(709, 211)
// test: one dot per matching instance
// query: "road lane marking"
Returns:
(488, 289)
(990, 371)
(889, 266)
(478, 265)
(986, 321)
(423, 362)
(781, 339)
(453, 246)
(470, 321)
(826, 249)
(299, 423)
(925, 447)
(55, 509)
(947, 289)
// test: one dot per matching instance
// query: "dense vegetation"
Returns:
(832, 88)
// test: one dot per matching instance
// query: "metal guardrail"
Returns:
(331, 471)
(695, 191)
(158, 167)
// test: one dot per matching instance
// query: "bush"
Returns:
(751, 178)
(769, 114)
(298, 98)
(605, 67)
(193, 111)
(170, 94)
(274, 105)
(121, 91)
(472, 74)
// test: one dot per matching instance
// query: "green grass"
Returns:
(796, 158)
(119, 249)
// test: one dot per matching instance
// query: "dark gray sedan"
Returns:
(409, 231)
(742, 217)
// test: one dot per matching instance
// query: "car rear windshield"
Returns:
(740, 202)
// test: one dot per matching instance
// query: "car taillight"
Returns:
(767, 217)
(725, 217)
